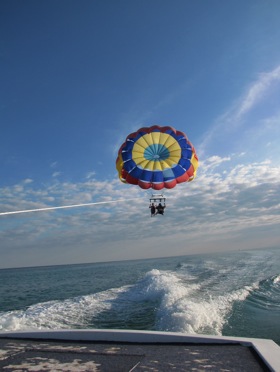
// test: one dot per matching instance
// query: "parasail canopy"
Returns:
(156, 157)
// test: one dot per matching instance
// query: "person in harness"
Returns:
(153, 209)
(160, 209)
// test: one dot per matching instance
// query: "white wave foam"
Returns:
(71, 313)
(186, 309)
(161, 283)
(276, 279)
(181, 306)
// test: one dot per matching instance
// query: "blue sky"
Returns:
(78, 76)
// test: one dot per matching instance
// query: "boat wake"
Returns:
(161, 300)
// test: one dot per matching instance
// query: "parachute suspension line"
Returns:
(64, 207)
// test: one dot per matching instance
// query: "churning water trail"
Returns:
(231, 294)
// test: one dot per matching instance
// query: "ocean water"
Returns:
(233, 294)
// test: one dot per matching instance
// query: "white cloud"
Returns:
(257, 91)
(54, 164)
(237, 118)
(90, 174)
(56, 174)
(213, 162)
(216, 206)
(27, 180)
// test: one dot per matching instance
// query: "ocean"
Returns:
(230, 294)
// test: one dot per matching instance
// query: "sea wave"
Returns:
(70, 313)
(190, 310)
(162, 300)
(267, 294)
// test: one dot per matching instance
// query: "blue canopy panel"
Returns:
(186, 153)
(184, 163)
(129, 165)
(128, 146)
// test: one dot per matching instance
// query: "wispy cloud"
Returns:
(54, 164)
(213, 161)
(257, 91)
(56, 174)
(235, 116)
(27, 181)
(90, 175)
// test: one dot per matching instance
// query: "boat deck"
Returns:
(62, 355)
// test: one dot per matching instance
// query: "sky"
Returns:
(77, 77)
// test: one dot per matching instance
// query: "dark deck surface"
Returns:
(34, 355)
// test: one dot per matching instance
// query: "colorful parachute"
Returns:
(156, 157)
